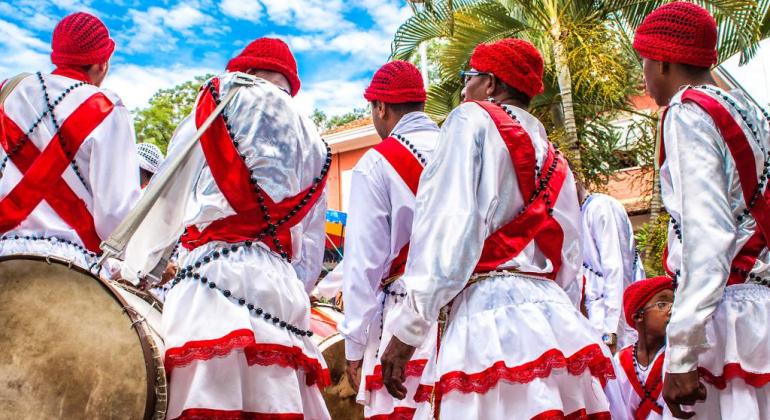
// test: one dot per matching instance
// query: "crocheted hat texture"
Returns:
(81, 39)
(514, 61)
(678, 33)
(638, 294)
(150, 156)
(395, 83)
(268, 54)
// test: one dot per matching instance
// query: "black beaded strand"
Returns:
(647, 392)
(409, 145)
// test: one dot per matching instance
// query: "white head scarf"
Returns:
(150, 156)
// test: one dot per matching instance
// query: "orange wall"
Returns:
(341, 162)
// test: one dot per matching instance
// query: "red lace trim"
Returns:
(413, 368)
(399, 413)
(423, 394)
(206, 414)
(732, 371)
(262, 354)
(590, 357)
(581, 414)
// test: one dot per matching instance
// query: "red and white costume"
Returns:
(628, 393)
(610, 264)
(251, 201)
(714, 173)
(497, 205)
(383, 184)
(62, 194)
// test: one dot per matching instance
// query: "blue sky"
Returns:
(338, 44)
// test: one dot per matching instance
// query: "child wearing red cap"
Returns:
(383, 186)
(69, 173)
(637, 392)
(495, 240)
(251, 203)
(713, 175)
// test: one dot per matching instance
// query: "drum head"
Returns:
(68, 348)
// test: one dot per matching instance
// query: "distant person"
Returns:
(713, 177)
(150, 158)
(68, 174)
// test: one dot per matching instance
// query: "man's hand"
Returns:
(684, 389)
(353, 371)
(394, 361)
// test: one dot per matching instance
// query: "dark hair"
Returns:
(693, 70)
(514, 93)
(406, 107)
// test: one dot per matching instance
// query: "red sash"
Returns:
(536, 221)
(740, 150)
(42, 171)
(233, 178)
(409, 168)
(653, 386)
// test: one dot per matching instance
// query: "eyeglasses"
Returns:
(661, 306)
(467, 74)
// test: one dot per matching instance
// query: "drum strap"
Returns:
(42, 171)
(409, 169)
(539, 192)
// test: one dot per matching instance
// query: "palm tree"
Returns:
(590, 67)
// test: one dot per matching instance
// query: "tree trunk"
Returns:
(565, 89)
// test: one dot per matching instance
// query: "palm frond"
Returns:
(442, 99)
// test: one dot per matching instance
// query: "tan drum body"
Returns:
(340, 397)
(70, 350)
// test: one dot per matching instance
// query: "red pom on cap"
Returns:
(268, 54)
(678, 33)
(514, 61)
(638, 294)
(81, 39)
(396, 82)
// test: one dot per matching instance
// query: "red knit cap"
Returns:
(268, 54)
(81, 39)
(639, 293)
(395, 83)
(678, 33)
(514, 61)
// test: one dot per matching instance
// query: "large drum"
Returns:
(75, 346)
(340, 397)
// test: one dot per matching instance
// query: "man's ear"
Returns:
(380, 108)
(491, 86)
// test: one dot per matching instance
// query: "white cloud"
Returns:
(367, 48)
(388, 15)
(42, 22)
(309, 15)
(250, 10)
(334, 97)
(184, 16)
(155, 28)
(136, 84)
(21, 51)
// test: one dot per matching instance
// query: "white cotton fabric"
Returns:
(610, 264)
(624, 400)
(701, 191)
(106, 160)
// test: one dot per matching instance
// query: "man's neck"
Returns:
(705, 79)
(647, 347)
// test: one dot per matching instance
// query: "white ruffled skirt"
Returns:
(224, 360)
(378, 403)
(516, 347)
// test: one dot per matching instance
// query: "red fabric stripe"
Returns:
(46, 168)
(399, 413)
(413, 368)
(590, 357)
(423, 394)
(581, 414)
(535, 223)
(207, 413)
(227, 167)
(742, 154)
(262, 354)
(734, 371)
(655, 377)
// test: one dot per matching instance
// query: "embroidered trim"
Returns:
(398, 413)
(208, 413)
(413, 368)
(262, 354)
(590, 357)
(581, 414)
(734, 371)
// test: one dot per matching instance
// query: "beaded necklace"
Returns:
(637, 368)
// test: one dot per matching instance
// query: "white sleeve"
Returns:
(367, 249)
(619, 407)
(308, 265)
(113, 170)
(700, 184)
(450, 224)
(606, 235)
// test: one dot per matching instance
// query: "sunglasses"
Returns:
(466, 75)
